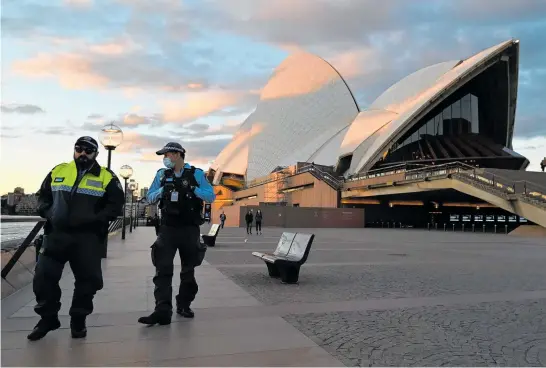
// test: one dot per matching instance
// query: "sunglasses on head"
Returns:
(82, 149)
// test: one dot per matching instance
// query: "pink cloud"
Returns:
(198, 104)
(73, 71)
(356, 62)
(119, 47)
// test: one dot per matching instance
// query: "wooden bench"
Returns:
(291, 252)
(210, 238)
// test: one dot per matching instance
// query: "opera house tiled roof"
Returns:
(307, 113)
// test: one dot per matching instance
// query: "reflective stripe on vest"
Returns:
(64, 176)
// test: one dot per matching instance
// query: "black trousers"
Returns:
(258, 226)
(83, 252)
(186, 241)
(249, 227)
(222, 224)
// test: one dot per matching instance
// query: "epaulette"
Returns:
(110, 171)
(56, 166)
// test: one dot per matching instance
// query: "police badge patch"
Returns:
(185, 183)
(119, 185)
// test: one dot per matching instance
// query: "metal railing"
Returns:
(112, 227)
(117, 224)
(499, 185)
(323, 175)
(386, 171)
(524, 190)
(260, 181)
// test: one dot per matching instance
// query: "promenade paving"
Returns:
(115, 338)
(366, 297)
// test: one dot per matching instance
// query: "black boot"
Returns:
(78, 328)
(185, 312)
(155, 318)
(43, 327)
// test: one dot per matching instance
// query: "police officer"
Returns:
(180, 190)
(77, 199)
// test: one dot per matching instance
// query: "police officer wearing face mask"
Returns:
(77, 199)
(180, 190)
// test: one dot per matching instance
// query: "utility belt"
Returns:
(181, 221)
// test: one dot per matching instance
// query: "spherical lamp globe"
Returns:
(126, 171)
(111, 136)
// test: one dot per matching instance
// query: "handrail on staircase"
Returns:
(326, 176)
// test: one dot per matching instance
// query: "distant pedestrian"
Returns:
(259, 217)
(249, 218)
(543, 164)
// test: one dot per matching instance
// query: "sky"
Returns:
(191, 70)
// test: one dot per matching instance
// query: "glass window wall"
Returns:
(461, 117)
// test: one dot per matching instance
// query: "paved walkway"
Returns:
(220, 335)
(366, 297)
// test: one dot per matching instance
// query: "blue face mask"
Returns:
(168, 163)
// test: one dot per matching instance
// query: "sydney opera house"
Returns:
(309, 144)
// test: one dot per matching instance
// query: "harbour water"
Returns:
(12, 232)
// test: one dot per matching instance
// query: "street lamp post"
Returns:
(131, 220)
(132, 187)
(137, 213)
(110, 137)
(125, 172)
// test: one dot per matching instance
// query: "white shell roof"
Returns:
(364, 125)
(393, 98)
(413, 104)
(307, 113)
(304, 105)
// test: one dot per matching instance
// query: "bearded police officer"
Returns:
(77, 199)
(180, 190)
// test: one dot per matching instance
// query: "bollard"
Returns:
(453, 227)
(428, 226)
(506, 229)
(400, 225)
(436, 226)
(484, 228)
(381, 224)
(463, 228)
(473, 230)
(444, 226)
(495, 228)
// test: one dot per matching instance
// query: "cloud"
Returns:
(221, 53)
(305, 22)
(198, 104)
(356, 62)
(21, 109)
(136, 120)
(78, 3)
(145, 145)
(73, 71)
(198, 127)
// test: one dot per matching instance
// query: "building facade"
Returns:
(308, 139)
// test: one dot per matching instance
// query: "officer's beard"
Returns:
(84, 162)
